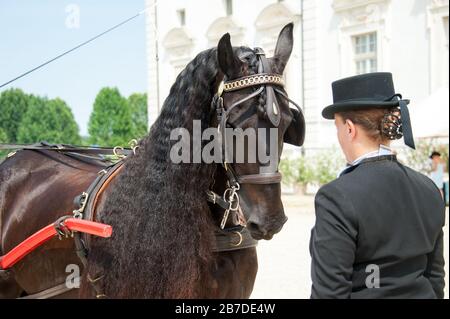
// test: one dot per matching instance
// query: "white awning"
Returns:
(429, 116)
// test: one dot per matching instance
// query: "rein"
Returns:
(64, 148)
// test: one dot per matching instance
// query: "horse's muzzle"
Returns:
(265, 230)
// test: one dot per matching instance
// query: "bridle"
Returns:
(270, 83)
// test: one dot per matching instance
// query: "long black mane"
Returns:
(161, 220)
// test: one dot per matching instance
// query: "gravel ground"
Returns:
(284, 261)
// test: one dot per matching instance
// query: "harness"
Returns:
(229, 239)
(93, 155)
(69, 225)
(270, 84)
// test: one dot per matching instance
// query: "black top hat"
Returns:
(365, 91)
(369, 91)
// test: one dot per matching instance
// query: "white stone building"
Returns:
(333, 39)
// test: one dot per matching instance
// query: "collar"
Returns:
(382, 150)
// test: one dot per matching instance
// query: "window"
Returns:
(437, 23)
(365, 52)
(229, 7)
(181, 17)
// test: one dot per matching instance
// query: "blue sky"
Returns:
(31, 32)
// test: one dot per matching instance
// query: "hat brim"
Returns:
(332, 109)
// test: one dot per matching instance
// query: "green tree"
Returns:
(304, 171)
(48, 120)
(85, 140)
(13, 105)
(3, 139)
(110, 123)
(3, 136)
(137, 103)
(327, 166)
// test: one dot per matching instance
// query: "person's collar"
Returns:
(382, 150)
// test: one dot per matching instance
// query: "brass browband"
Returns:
(252, 80)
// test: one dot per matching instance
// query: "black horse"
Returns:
(164, 226)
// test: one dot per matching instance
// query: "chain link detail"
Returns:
(253, 80)
(230, 196)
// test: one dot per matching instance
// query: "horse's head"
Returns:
(251, 97)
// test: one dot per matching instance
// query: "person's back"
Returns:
(378, 230)
(397, 213)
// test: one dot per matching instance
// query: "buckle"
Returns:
(78, 213)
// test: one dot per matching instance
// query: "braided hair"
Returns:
(379, 124)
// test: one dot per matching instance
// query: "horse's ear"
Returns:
(283, 48)
(228, 62)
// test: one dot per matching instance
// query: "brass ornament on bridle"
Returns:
(252, 80)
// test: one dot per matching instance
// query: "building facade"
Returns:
(332, 39)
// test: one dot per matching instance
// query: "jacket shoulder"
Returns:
(334, 197)
(366, 170)
(422, 178)
(392, 174)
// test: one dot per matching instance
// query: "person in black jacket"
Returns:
(378, 230)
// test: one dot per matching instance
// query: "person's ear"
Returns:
(351, 129)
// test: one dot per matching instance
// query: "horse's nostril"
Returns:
(252, 226)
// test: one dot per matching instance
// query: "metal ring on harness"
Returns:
(240, 239)
(61, 229)
(134, 145)
(78, 213)
(116, 153)
(233, 197)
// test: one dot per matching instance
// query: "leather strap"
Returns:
(49, 293)
(63, 148)
(99, 186)
(214, 198)
(234, 238)
(268, 178)
(272, 108)
(287, 98)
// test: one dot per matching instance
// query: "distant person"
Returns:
(437, 171)
(378, 230)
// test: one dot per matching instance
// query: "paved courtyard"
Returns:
(284, 261)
